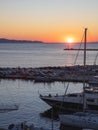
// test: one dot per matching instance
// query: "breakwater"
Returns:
(73, 49)
(50, 74)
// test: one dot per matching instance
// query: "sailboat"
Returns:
(84, 119)
(73, 102)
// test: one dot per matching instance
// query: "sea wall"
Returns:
(50, 74)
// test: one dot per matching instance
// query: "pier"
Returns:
(72, 49)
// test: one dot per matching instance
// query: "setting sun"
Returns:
(70, 40)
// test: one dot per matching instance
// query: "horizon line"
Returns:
(56, 42)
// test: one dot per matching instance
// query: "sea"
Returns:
(25, 93)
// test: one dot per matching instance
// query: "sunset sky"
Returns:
(49, 20)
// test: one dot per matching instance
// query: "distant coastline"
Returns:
(5, 40)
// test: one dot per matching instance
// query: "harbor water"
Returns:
(25, 93)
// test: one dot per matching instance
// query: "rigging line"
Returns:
(95, 59)
(72, 73)
(75, 62)
(78, 51)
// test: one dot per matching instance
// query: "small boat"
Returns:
(93, 81)
(24, 126)
(81, 120)
(84, 119)
(8, 108)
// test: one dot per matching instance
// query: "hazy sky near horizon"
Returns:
(48, 20)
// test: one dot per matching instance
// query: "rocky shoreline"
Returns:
(50, 74)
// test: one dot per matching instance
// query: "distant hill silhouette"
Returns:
(4, 40)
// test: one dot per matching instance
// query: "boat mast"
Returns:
(85, 40)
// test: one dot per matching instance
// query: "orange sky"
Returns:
(49, 21)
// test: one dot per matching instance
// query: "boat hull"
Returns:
(68, 106)
(79, 122)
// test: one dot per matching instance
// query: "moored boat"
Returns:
(73, 102)
(84, 119)
(80, 120)
(93, 81)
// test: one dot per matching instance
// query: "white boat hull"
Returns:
(72, 102)
(82, 122)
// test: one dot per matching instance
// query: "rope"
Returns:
(95, 59)
(72, 73)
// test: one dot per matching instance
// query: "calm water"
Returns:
(36, 55)
(26, 93)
